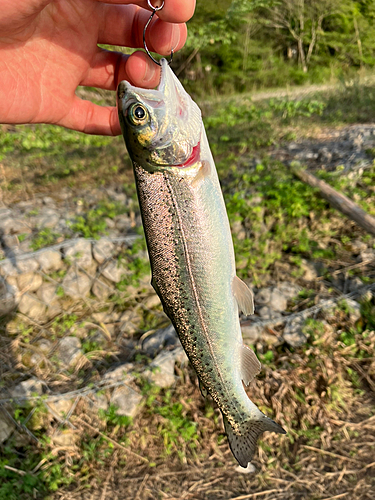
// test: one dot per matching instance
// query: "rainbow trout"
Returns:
(191, 249)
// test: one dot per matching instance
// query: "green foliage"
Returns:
(93, 224)
(113, 418)
(44, 238)
(176, 426)
(136, 263)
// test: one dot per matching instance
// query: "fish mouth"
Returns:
(162, 82)
(193, 158)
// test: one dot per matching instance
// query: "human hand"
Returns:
(49, 48)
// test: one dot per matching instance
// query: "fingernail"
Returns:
(175, 37)
(150, 72)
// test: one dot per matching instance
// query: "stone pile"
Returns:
(39, 283)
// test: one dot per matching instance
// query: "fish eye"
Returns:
(138, 114)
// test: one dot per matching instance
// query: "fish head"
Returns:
(162, 127)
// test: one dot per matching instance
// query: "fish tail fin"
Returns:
(244, 446)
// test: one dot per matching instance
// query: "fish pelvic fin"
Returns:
(243, 296)
(244, 446)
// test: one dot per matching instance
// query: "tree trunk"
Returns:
(359, 43)
(301, 53)
(337, 200)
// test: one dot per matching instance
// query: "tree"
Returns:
(303, 20)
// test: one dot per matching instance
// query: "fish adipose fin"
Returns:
(250, 365)
(243, 295)
(244, 447)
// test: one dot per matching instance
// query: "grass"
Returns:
(322, 392)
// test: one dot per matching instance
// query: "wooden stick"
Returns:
(336, 199)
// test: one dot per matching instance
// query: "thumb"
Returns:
(85, 116)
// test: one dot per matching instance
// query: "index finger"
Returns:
(173, 11)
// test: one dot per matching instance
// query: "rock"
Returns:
(289, 290)
(48, 218)
(121, 372)
(355, 283)
(263, 296)
(123, 223)
(27, 389)
(113, 271)
(152, 301)
(180, 356)
(160, 339)
(47, 200)
(310, 273)
(76, 285)
(266, 312)
(8, 297)
(47, 293)
(161, 370)
(13, 225)
(9, 241)
(29, 282)
(293, 334)
(60, 406)
(79, 252)
(50, 260)
(277, 300)
(98, 401)
(44, 345)
(110, 223)
(69, 350)
(101, 289)
(367, 255)
(126, 400)
(103, 250)
(105, 317)
(16, 265)
(32, 307)
(251, 332)
(65, 438)
(6, 428)
(354, 310)
(357, 246)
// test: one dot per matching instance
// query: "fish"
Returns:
(191, 249)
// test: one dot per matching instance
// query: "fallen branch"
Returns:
(336, 199)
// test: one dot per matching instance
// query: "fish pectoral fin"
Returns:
(203, 390)
(243, 295)
(244, 446)
(203, 172)
(250, 365)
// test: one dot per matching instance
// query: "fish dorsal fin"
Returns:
(243, 295)
(250, 365)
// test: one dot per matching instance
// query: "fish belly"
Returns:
(192, 261)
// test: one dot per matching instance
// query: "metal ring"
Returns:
(155, 8)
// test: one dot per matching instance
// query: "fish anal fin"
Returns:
(243, 295)
(250, 365)
(244, 446)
